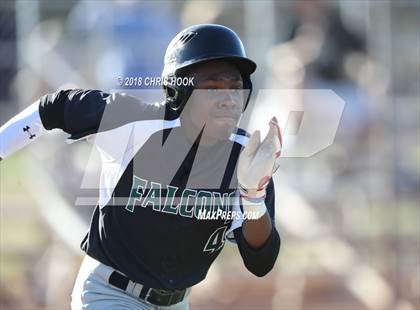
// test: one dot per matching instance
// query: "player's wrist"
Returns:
(253, 208)
(249, 191)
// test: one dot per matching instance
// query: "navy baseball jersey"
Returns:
(155, 187)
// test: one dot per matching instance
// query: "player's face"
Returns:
(217, 100)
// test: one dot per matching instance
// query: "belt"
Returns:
(152, 295)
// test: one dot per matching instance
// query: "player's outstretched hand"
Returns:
(258, 161)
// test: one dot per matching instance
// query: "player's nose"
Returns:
(230, 99)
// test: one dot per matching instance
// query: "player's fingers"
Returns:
(279, 142)
(269, 145)
(271, 133)
(253, 143)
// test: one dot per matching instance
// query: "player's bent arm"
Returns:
(260, 260)
(257, 238)
(76, 112)
(73, 111)
(84, 112)
(256, 232)
(21, 130)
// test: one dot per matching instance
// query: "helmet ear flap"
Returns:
(177, 96)
(172, 97)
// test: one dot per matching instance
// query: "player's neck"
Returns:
(192, 132)
(192, 135)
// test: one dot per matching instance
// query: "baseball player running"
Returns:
(178, 178)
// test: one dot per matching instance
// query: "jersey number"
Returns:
(216, 240)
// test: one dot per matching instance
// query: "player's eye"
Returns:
(213, 90)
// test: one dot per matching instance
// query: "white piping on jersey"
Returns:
(243, 140)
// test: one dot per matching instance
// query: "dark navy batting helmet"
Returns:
(197, 44)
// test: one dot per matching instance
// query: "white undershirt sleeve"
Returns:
(21, 130)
